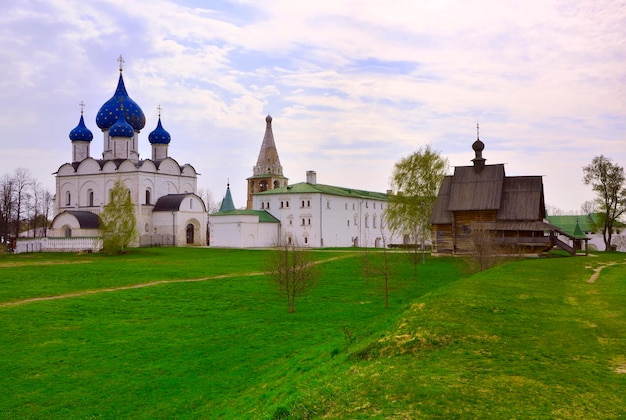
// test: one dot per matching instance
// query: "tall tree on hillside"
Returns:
(607, 180)
(118, 222)
(415, 182)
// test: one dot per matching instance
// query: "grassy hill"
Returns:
(207, 336)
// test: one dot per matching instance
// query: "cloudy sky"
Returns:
(352, 86)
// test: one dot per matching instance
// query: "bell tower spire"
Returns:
(267, 174)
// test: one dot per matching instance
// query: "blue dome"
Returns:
(121, 128)
(118, 104)
(81, 132)
(159, 135)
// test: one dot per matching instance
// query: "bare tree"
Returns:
(292, 269)
(554, 210)
(212, 206)
(378, 266)
(588, 207)
(22, 181)
(484, 249)
(7, 207)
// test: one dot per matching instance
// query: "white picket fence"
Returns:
(82, 244)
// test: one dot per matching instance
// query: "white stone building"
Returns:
(164, 193)
(306, 213)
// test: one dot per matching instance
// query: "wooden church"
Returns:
(481, 200)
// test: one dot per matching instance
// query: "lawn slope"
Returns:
(529, 339)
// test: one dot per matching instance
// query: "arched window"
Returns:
(276, 184)
(148, 198)
(68, 198)
(90, 198)
(263, 186)
(68, 232)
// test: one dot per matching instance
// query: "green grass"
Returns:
(528, 339)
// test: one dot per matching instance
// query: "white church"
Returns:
(164, 193)
(168, 210)
(306, 213)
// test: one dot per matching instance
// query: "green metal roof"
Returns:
(264, 216)
(227, 202)
(306, 188)
(574, 225)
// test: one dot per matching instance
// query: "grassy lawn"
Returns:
(529, 339)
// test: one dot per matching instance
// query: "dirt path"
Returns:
(598, 270)
(141, 285)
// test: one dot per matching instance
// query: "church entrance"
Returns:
(190, 234)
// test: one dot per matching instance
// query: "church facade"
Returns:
(163, 192)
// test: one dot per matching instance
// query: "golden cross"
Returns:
(121, 61)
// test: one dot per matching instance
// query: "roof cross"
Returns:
(477, 131)
(159, 109)
(120, 60)
(82, 107)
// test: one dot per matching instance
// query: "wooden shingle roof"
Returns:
(522, 199)
(472, 190)
(518, 198)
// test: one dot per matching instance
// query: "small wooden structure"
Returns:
(481, 201)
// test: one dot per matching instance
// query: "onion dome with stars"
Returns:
(121, 128)
(81, 132)
(159, 135)
(119, 104)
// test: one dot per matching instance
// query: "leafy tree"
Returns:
(293, 271)
(607, 180)
(415, 181)
(119, 226)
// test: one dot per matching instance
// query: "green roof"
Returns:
(574, 225)
(227, 202)
(264, 216)
(306, 188)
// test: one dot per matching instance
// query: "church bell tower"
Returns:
(267, 174)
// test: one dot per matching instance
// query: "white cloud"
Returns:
(352, 85)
